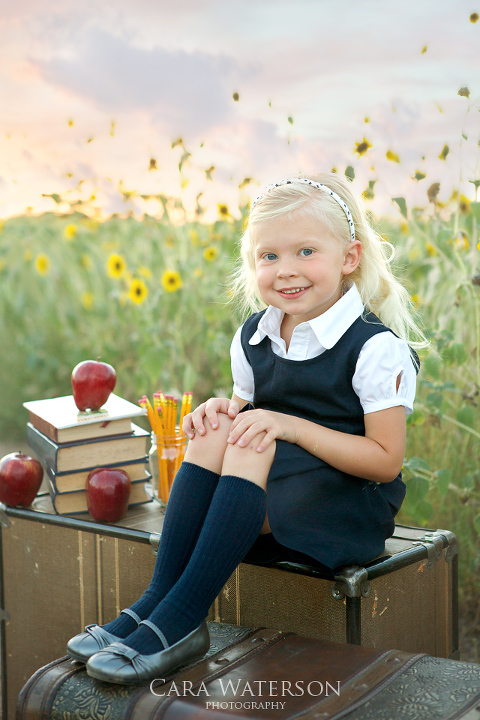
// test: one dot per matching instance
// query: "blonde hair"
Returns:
(379, 289)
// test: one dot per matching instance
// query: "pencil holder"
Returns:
(166, 455)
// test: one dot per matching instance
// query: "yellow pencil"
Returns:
(183, 411)
(162, 460)
(174, 415)
(156, 400)
(153, 418)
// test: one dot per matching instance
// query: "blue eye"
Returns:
(306, 252)
(270, 256)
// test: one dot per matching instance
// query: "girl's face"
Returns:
(300, 266)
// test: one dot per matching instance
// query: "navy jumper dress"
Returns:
(313, 508)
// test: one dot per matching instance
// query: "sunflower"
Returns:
(362, 147)
(116, 266)
(86, 261)
(171, 281)
(138, 291)
(432, 192)
(464, 205)
(223, 211)
(42, 264)
(87, 300)
(393, 157)
(431, 249)
(444, 153)
(210, 253)
(69, 231)
(461, 241)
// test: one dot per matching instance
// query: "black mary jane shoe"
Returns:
(124, 666)
(94, 638)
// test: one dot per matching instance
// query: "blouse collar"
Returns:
(328, 327)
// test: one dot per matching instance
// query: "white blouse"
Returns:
(382, 359)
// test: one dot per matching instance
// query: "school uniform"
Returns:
(338, 367)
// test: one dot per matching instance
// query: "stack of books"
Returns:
(70, 444)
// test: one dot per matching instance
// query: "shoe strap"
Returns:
(157, 632)
(132, 614)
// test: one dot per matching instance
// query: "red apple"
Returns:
(108, 492)
(92, 383)
(20, 479)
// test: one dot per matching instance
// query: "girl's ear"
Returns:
(353, 253)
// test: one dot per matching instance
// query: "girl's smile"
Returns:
(292, 292)
(300, 266)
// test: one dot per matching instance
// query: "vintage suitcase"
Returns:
(407, 598)
(267, 674)
(59, 574)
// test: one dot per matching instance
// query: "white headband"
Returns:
(319, 186)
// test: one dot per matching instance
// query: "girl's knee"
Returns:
(208, 450)
(248, 463)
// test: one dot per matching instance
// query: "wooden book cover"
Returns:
(61, 420)
(90, 453)
(71, 481)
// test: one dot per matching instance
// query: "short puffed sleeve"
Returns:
(383, 361)
(242, 373)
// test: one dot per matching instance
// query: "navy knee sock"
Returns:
(233, 522)
(188, 504)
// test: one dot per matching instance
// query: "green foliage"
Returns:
(442, 469)
(101, 292)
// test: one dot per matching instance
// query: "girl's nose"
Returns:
(287, 270)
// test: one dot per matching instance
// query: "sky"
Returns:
(94, 94)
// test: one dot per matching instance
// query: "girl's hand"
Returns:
(252, 422)
(194, 421)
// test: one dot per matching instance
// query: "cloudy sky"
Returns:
(93, 91)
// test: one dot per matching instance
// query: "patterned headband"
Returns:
(319, 186)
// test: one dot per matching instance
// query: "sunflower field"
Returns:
(150, 296)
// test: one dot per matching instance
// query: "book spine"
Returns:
(80, 499)
(73, 482)
(43, 447)
(52, 485)
(43, 426)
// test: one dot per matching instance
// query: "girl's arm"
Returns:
(376, 456)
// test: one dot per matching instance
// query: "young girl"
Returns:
(304, 461)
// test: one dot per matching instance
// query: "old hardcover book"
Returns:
(90, 453)
(70, 503)
(61, 420)
(71, 481)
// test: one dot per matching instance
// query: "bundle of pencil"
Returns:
(171, 441)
